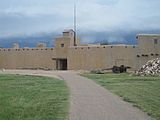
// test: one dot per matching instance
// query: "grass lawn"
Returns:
(142, 92)
(33, 98)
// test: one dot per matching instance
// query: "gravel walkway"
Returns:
(90, 101)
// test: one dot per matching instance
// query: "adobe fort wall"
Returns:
(66, 55)
(101, 57)
(148, 48)
(27, 58)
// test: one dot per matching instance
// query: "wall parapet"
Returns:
(25, 49)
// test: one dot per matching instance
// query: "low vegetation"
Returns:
(33, 98)
(142, 92)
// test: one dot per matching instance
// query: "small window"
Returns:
(62, 45)
(155, 41)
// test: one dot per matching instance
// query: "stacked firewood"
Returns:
(151, 68)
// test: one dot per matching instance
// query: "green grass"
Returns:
(33, 98)
(142, 92)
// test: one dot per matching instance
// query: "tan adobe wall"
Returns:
(146, 44)
(82, 57)
(27, 58)
(147, 48)
(61, 47)
(100, 57)
(63, 43)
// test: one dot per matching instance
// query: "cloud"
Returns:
(33, 16)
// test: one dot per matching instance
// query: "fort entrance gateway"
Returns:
(61, 64)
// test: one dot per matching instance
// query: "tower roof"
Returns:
(68, 30)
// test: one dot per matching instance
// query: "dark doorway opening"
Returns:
(61, 64)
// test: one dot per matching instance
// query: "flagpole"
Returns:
(75, 23)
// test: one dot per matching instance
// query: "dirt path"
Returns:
(90, 101)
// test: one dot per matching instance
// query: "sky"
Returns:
(27, 17)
